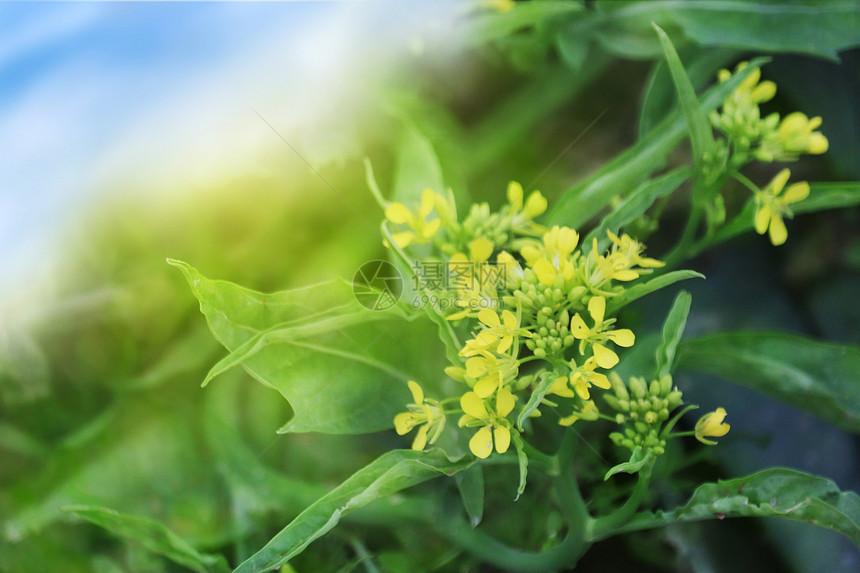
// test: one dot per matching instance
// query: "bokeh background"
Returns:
(231, 136)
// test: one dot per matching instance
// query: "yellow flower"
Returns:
(588, 412)
(553, 257)
(771, 207)
(490, 372)
(711, 425)
(795, 135)
(480, 250)
(599, 334)
(494, 426)
(427, 413)
(523, 214)
(749, 90)
(631, 249)
(471, 290)
(580, 380)
(421, 230)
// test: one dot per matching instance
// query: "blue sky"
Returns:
(84, 87)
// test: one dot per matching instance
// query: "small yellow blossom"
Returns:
(588, 412)
(771, 207)
(795, 135)
(711, 425)
(480, 250)
(599, 334)
(472, 291)
(421, 230)
(425, 412)
(631, 249)
(553, 257)
(494, 426)
(535, 204)
(579, 381)
(491, 372)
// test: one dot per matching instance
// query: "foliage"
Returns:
(529, 347)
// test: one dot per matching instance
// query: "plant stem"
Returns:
(604, 526)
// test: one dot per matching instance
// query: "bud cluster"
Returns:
(642, 410)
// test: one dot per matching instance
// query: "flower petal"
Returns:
(403, 423)
(480, 249)
(778, 232)
(578, 328)
(473, 405)
(605, 357)
(398, 213)
(417, 392)
(489, 317)
(485, 387)
(504, 402)
(502, 438)
(481, 443)
(420, 438)
(622, 337)
(515, 195)
(796, 192)
(762, 218)
(597, 309)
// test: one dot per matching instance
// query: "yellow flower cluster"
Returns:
(551, 306)
(769, 138)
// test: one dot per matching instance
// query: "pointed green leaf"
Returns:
(775, 492)
(639, 290)
(639, 201)
(701, 136)
(470, 482)
(388, 474)
(152, 535)
(817, 377)
(626, 171)
(322, 351)
(673, 330)
(522, 461)
(540, 390)
(638, 459)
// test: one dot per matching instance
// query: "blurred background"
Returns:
(231, 136)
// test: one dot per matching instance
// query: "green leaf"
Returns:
(660, 95)
(417, 167)
(152, 535)
(774, 492)
(817, 377)
(491, 26)
(639, 201)
(522, 461)
(822, 196)
(638, 459)
(816, 27)
(701, 136)
(470, 482)
(388, 474)
(639, 290)
(626, 171)
(446, 331)
(673, 330)
(535, 399)
(309, 345)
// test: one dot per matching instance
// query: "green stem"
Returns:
(561, 556)
(604, 526)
